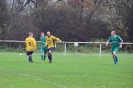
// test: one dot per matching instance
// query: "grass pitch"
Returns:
(71, 71)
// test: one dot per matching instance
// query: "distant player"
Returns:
(116, 44)
(43, 49)
(30, 43)
(50, 42)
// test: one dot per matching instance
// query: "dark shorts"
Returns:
(29, 52)
(52, 49)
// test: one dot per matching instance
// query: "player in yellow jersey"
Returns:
(30, 43)
(50, 42)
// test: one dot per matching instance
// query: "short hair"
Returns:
(30, 33)
(114, 32)
(48, 31)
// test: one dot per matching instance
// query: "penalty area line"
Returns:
(35, 78)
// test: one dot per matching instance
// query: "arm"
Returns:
(57, 39)
(109, 40)
(121, 42)
(46, 44)
(107, 43)
(34, 44)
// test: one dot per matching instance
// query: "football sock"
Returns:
(50, 57)
(42, 56)
(29, 58)
(116, 58)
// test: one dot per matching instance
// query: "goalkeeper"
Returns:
(43, 49)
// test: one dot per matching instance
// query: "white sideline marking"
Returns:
(34, 77)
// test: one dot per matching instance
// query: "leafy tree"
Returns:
(3, 17)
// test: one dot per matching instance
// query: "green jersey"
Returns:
(44, 50)
(115, 40)
(43, 40)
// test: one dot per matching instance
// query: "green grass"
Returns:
(71, 71)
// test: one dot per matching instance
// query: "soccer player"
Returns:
(50, 42)
(116, 44)
(30, 43)
(43, 49)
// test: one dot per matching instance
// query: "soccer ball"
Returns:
(76, 44)
(20, 54)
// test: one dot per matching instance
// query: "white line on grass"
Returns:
(35, 78)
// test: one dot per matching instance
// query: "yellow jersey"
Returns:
(30, 44)
(51, 41)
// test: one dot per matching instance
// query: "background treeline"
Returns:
(71, 20)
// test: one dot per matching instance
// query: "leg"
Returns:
(42, 56)
(116, 49)
(42, 53)
(113, 54)
(50, 56)
(30, 57)
(45, 52)
(115, 57)
(29, 54)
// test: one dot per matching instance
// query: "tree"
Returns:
(3, 17)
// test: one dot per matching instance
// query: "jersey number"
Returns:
(29, 43)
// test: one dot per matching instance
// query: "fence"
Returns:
(100, 45)
(65, 44)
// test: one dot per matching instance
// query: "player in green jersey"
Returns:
(116, 44)
(43, 49)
